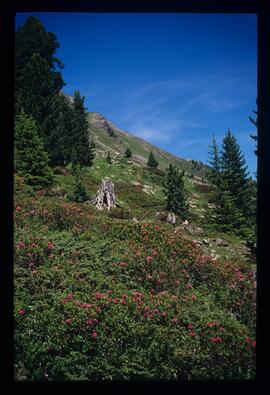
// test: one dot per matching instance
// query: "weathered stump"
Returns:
(105, 196)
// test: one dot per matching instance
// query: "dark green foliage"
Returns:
(58, 130)
(234, 171)
(82, 150)
(174, 190)
(128, 153)
(255, 122)
(36, 80)
(232, 208)
(79, 194)
(31, 160)
(108, 158)
(214, 162)
(152, 162)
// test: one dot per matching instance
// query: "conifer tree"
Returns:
(214, 162)
(108, 158)
(36, 77)
(152, 162)
(31, 160)
(128, 153)
(174, 189)
(234, 171)
(255, 122)
(82, 149)
(230, 204)
(58, 129)
(80, 193)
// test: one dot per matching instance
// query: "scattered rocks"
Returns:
(194, 231)
(135, 219)
(171, 219)
(215, 257)
(221, 243)
(148, 189)
(137, 183)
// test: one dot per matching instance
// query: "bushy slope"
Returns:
(98, 297)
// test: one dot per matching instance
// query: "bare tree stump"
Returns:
(105, 196)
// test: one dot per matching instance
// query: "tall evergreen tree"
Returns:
(234, 171)
(174, 189)
(152, 162)
(31, 160)
(231, 207)
(58, 129)
(214, 162)
(82, 149)
(36, 77)
(254, 121)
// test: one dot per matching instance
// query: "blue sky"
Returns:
(172, 79)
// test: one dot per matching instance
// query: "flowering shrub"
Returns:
(98, 298)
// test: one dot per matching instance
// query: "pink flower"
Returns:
(215, 339)
(22, 312)
(122, 264)
(193, 297)
(149, 259)
(175, 320)
(68, 322)
(70, 296)
(50, 246)
(21, 244)
(94, 335)
(89, 322)
(190, 326)
(192, 334)
(189, 286)
(123, 302)
(177, 282)
(18, 208)
(254, 343)
(212, 323)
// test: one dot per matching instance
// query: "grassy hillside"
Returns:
(100, 296)
(99, 129)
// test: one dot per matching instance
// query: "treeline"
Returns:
(51, 128)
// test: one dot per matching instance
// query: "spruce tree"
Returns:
(174, 189)
(36, 77)
(80, 193)
(255, 122)
(108, 158)
(31, 160)
(82, 150)
(214, 162)
(231, 207)
(152, 162)
(58, 127)
(128, 153)
(234, 171)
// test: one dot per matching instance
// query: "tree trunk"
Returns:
(105, 196)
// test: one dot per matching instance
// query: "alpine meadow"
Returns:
(131, 262)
